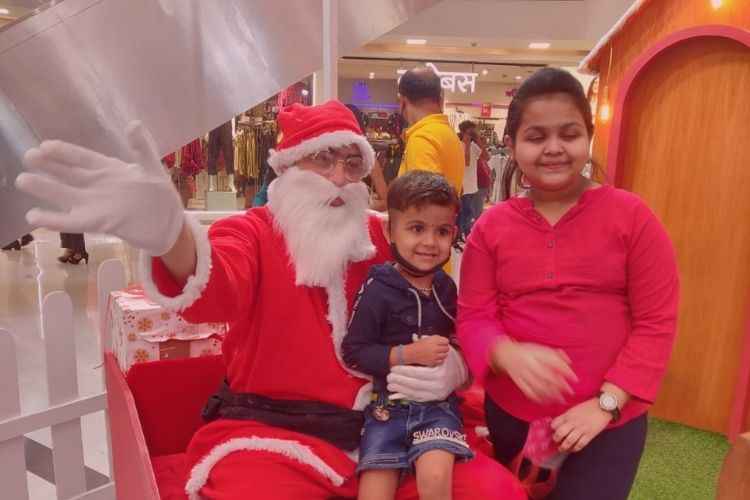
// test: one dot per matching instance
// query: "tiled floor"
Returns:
(26, 276)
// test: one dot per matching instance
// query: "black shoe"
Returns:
(13, 246)
(65, 256)
(26, 239)
(77, 257)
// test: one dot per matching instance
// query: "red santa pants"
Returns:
(267, 475)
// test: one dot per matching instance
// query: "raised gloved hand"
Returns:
(98, 194)
(420, 383)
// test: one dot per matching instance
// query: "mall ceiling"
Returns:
(492, 38)
(490, 31)
(501, 31)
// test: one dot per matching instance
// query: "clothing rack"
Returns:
(252, 144)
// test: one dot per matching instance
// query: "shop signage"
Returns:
(449, 80)
(486, 110)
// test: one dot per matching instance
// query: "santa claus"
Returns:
(286, 425)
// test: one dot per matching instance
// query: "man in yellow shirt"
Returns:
(431, 143)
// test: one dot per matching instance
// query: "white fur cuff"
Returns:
(196, 283)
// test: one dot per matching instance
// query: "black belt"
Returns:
(339, 426)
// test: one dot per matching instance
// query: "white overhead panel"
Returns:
(81, 69)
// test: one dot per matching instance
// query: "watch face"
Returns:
(608, 402)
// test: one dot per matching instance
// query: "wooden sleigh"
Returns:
(154, 410)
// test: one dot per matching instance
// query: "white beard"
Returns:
(321, 240)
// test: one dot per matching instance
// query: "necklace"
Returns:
(424, 291)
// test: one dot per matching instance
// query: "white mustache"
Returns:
(322, 191)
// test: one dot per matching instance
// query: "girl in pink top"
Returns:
(568, 300)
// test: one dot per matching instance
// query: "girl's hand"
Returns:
(542, 373)
(575, 428)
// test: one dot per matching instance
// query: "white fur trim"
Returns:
(383, 216)
(337, 317)
(287, 447)
(353, 455)
(195, 285)
(482, 431)
(585, 66)
(280, 160)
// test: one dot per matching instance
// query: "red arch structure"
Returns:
(614, 170)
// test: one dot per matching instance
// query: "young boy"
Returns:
(404, 314)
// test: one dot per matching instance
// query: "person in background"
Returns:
(484, 183)
(377, 182)
(18, 244)
(568, 301)
(75, 248)
(431, 143)
(400, 435)
(261, 197)
(474, 150)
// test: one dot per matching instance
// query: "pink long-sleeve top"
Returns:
(601, 284)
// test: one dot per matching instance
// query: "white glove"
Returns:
(421, 383)
(97, 194)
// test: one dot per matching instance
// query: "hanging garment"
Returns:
(169, 160)
(220, 143)
(192, 159)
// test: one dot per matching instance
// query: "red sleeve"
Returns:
(478, 323)
(653, 294)
(226, 275)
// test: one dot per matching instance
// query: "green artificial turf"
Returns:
(680, 463)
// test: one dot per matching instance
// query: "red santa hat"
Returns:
(308, 129)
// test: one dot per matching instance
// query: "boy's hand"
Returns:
(433, 383)
(430, 350)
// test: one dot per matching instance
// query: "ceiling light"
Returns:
(372, 75)
(519, 77)
(416, 41)
(305, 92)
(4, 12)
(716, 4)
(484, 72)
(539, 45)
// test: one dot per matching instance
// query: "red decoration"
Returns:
(486, 109)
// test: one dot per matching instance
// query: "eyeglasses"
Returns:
(324, 163)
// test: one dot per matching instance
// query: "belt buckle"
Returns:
(381, 413)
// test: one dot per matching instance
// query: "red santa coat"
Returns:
(284, 342)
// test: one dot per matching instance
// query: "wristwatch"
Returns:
(609, 403)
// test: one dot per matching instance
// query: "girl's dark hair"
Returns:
(543, 82)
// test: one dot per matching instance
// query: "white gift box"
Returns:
(144, 331)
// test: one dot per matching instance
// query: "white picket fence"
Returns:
(66, 406)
